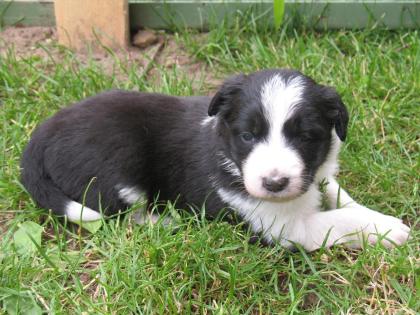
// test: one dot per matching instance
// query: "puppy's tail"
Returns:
(44, 191)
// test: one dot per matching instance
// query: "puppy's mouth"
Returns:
(273, 197)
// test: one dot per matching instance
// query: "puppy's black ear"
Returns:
(225, 94)
(336, 111)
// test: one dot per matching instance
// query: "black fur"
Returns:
(148, 140)
(157, 143)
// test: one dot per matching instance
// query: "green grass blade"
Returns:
(278, 9)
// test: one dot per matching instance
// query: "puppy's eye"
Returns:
(247, 137)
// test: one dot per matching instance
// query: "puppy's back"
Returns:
(102, 139)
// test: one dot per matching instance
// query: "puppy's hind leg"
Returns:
(76, 212)
(133, 197)
(141, 217)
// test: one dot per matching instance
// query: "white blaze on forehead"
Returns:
(274, 157)
(278, 97)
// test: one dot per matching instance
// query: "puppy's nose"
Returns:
(274, 184)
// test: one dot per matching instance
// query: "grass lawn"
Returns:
(209, 267)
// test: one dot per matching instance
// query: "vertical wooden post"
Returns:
(90, 22)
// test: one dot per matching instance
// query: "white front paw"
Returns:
(390, 231)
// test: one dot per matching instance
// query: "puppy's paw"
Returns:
(388, 230)
(354, 227)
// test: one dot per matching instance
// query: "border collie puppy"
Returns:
(260, 147)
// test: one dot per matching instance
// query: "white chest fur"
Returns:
(277, 221)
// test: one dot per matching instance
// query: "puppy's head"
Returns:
(276, 126)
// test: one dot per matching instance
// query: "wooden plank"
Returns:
(92, 22)
(331, 14)
(20, 13)
(320, 14)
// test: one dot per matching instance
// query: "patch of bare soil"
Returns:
(5, 217)
(166, 52)
(27, 41)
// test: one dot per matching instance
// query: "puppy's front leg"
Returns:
(338, 197)
(352, 226)
(351, 223)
